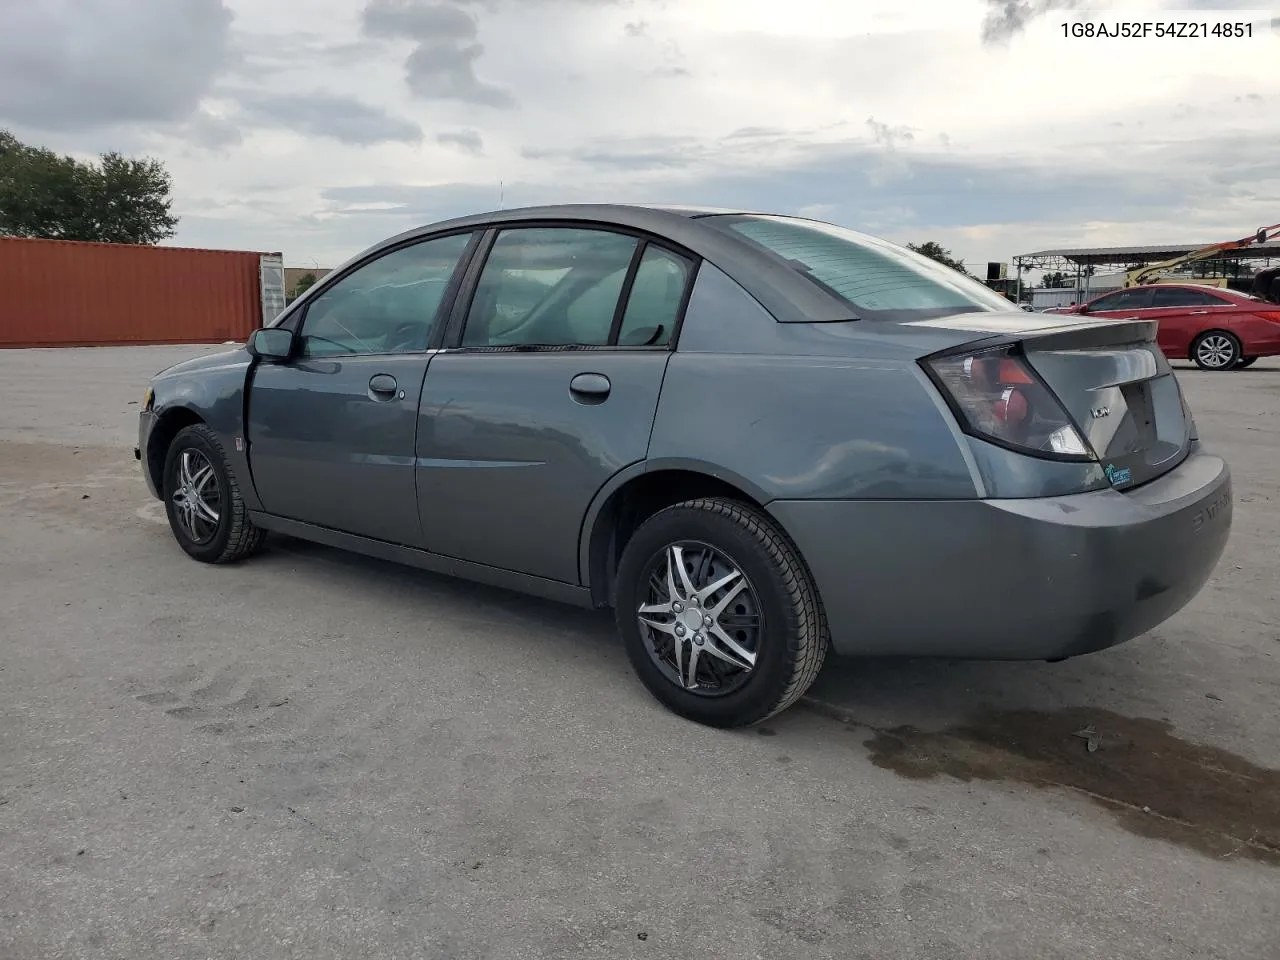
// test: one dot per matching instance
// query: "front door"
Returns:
(551, 390)
(331, 433)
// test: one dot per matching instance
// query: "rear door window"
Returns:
(1167, 297)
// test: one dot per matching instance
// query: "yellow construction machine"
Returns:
(1154, 272)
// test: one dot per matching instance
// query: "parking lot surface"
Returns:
(317, 755)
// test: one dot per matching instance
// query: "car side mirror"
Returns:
(272, 344)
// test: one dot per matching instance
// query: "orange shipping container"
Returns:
(63, 293)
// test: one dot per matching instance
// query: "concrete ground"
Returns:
(315, 755)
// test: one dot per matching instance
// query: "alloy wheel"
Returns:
(1216, 351)
(701, 619)
(197, 496)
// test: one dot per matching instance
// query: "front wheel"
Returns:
(1216, 350)
(206, 512)
(718, 612)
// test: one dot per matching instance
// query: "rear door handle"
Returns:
(382, 386)
(590, 387)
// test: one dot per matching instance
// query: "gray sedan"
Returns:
(756, 437)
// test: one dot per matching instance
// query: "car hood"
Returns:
(211, 361)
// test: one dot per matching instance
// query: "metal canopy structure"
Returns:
(1068, 260)
(1085, 262)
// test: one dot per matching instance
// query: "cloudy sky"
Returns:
(316, 127)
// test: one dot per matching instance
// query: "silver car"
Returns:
(756, 437)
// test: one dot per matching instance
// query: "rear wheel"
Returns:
(206, 512)
(718, 613)
(1246, 362)
(1216, 350)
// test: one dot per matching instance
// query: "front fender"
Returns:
(215, 394)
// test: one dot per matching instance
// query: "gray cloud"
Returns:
(1006, 18)
(74, 66)
(466, 140)
(442, 65)
(336, 116)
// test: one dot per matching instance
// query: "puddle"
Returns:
(1154, 784)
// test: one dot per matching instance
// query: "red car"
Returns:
(1218, 329)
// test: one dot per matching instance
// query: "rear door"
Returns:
(1183, 313)
(549, 390)
(331, 433)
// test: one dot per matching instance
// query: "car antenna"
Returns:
(502, 193)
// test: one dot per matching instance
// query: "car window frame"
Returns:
(1210, 299)
(296, 320)
(456, 324)
(1093, 308)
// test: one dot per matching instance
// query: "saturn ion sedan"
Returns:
(755, 437)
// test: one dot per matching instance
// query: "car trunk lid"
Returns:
(1110, 377)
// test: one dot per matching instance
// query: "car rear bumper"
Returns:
(1013, 579)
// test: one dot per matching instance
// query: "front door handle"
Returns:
(1196, 313)
(590, 387)
(383, 386)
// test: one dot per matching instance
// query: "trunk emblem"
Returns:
(1100, 412)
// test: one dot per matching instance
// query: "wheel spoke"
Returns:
(662, 627)
(709, 591)
(676, 561)
(691, 680)
(730, 650)
(204, 511)
(184, 468)
(729, 597)
(201, 478)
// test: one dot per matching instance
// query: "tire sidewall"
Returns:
(195, 438)
(1231, 337)
(775, 657)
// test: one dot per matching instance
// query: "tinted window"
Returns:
(878, 279)
(1135, 299)
(388, 306)
(654, 304)
(1175, 297)
(549, 285)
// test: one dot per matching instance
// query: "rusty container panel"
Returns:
(63, 293)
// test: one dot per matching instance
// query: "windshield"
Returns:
(878, 279)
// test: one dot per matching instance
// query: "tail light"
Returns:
(1272, 315)
(999, 398)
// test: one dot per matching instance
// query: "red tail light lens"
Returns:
(999, 398)
(1272, 315)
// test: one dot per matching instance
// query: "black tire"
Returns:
(791, 641)
(233, 537)
(1224, 358)
(1246, 362)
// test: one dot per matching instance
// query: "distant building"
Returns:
(293, 274)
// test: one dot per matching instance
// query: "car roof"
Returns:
(780, 289)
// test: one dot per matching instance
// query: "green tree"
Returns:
(936, 251)
(305, 283)
(116, 200)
